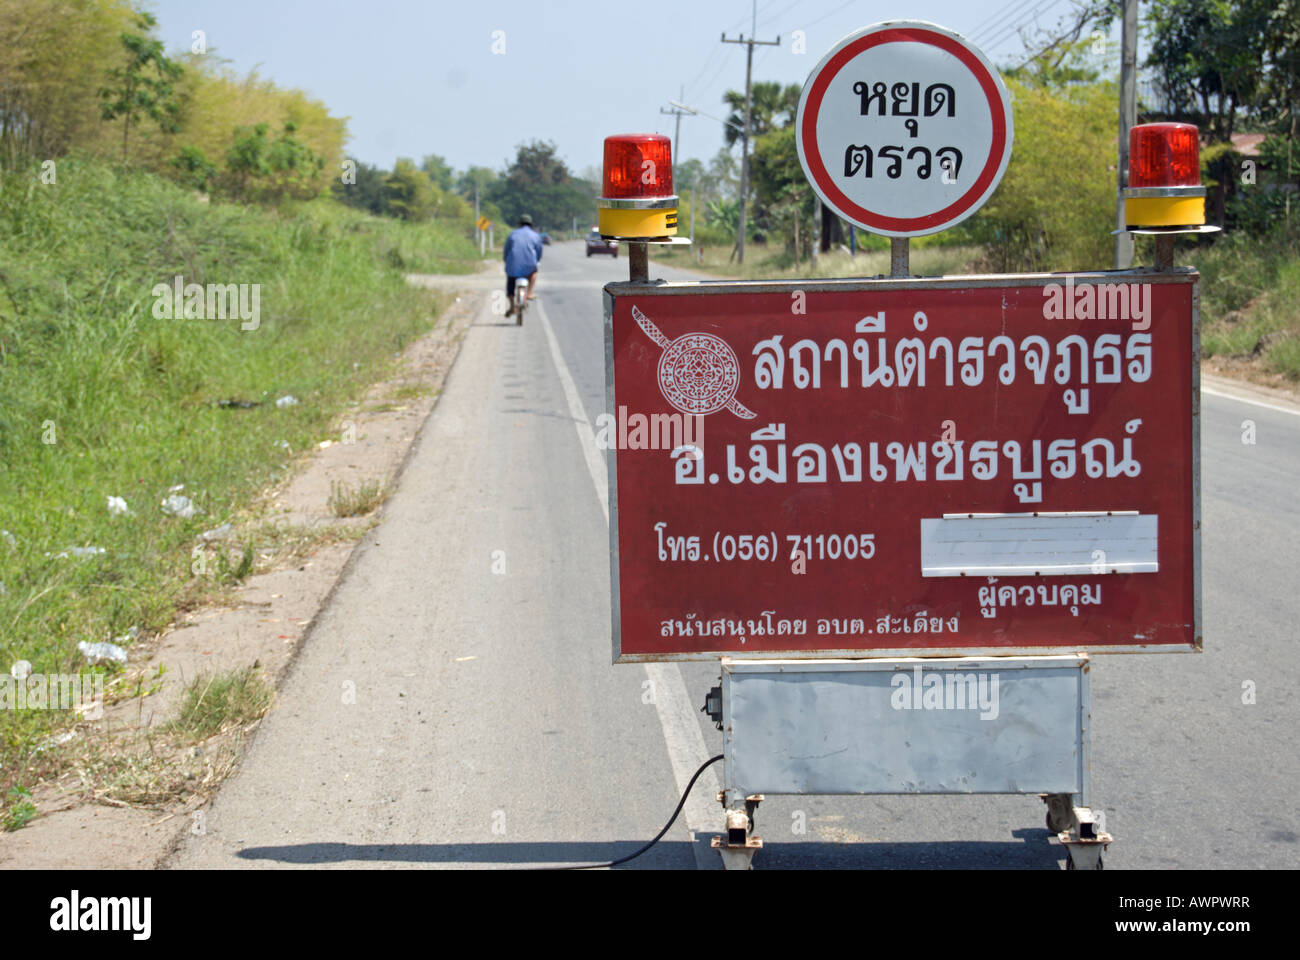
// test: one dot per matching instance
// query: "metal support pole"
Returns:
(638, 262)
(1127, 118)
(744, 156)
(900, 256)
(1164, 251)
(815, 243)
(744, 142)
(677, 132)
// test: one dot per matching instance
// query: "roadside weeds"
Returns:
(118, 791)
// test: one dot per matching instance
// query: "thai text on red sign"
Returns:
(996, 465)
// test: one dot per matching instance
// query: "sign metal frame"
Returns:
(660, 288)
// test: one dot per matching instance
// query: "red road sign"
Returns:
(990, 465)
(904, 128)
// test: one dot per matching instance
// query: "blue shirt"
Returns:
(523, 252)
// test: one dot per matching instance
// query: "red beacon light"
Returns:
(637, 200)
(1164, 190)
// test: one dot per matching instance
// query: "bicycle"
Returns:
(521, 300)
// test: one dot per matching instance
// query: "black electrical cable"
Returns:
(667, 826)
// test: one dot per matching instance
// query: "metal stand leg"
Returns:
(638, 262)
(736, 846)
(899, 256)
(1164, 251)
(1087, 839)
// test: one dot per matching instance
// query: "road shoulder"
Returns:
(129, 795)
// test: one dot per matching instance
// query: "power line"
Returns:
(1018, 20)
(1013, 17)
(832, 13)
(1013, 29)
(997, 16)
(783, 11)
(708, 61)
(726, 62)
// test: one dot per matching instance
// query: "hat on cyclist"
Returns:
(526, 220)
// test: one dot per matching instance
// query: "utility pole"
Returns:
(1127, 118)
(744, 149)
(677, 112)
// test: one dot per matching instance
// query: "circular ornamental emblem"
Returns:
(698, 372)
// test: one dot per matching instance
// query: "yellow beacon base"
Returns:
(660, 222)
(1164, 211)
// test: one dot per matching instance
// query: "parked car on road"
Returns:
(598, 244)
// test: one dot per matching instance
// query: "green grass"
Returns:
(763, 262)
(346, 500)
(19, 810)
(214, 702)
(1250, 299)
(130, 402)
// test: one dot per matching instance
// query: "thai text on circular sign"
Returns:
(904, 128)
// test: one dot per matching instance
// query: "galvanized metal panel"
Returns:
(863, 727)
(1039, 544)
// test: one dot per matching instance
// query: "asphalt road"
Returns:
(455, 706)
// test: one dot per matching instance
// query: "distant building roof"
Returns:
(1247, 144)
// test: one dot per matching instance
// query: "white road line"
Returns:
(686, 748)
(1255, 403)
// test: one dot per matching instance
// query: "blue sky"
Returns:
(420, 76)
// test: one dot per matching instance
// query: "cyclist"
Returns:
(523, 252)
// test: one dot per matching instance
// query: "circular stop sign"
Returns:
(904, 128)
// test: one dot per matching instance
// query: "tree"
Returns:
(722, 179)
(1029, 223)
(439, 171)
(367, 190)
(783, 197)
(473, 184)
(408, 192)
(689, 176)
(538, 183)
(145, 85)
(269, 171)
(1063, 57)
(1209, 58)
(54, 56)
(215, 101)
(1278, 105)
(193, 168)
(772, 106)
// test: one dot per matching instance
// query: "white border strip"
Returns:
(686, 747)
(1254, 403)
